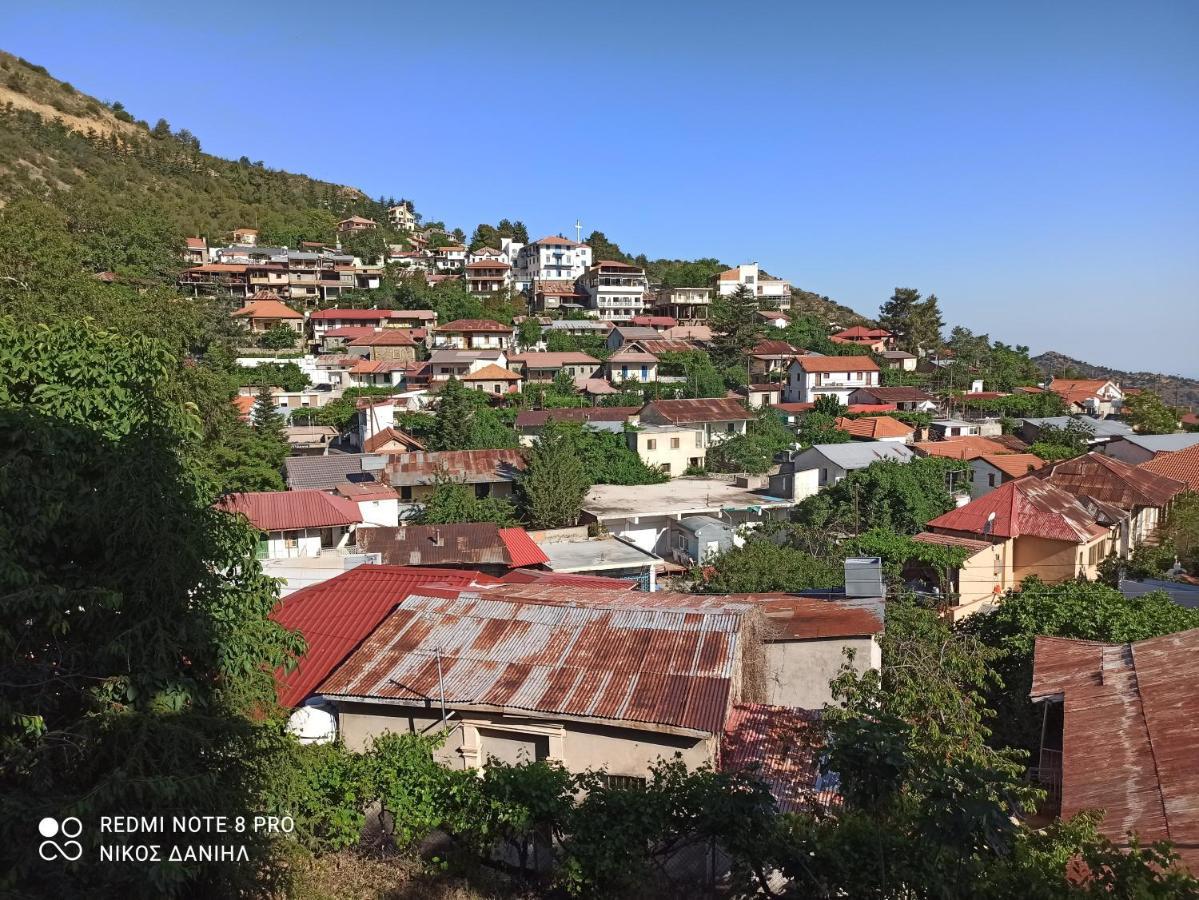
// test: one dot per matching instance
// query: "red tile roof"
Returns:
(491, 372)
(350, 331)
(679, 412)
(388, 435)
(1027, 506)
(291, 510)
(782, 746)
(773, 348)
(359, 491)
(245, 406)
(1014, 464)
(1130, 730)
(836, 363)
(1181, 465)
(874, 427)
(466, 326)
(487, 264)
(967, 447)
(386, 337)
(666, 667)
(266, 309)
(196, 243)
(558, 239)
(1095, 476)
(860, 332)
(335, 616)
(349, 315)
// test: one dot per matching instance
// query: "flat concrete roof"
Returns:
(594, 555)
(681, 496)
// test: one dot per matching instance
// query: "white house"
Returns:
(771, 291)
(631, 365)
(552, 259)
(811, 377)
(296, 523)
(449, 258)
(615, 290)
(807, 471)
(447, 364)
(378, 504)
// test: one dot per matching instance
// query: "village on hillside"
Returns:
(434, 507)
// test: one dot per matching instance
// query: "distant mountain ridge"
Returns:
(1173, 389)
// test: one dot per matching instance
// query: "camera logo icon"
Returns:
(69, 849)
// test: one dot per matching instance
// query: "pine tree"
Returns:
(455, 418)
(915, 321)
(267, 420)
(735, 325)
(554, 484)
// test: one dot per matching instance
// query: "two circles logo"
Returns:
(69, 850)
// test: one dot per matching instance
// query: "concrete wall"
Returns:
(690, 446)
(379, 512)
(1054, 561)
(475, 735)
(1127, 451)
(799, 672)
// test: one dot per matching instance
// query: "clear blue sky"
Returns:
(1036, 165)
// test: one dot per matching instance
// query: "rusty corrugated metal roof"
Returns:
(1130, 729)
(652, 666)
(422, 467)
(465, 544)
(1110, 480)
(1027, 506)
(336, 615)
(782, 746)
(678, 412)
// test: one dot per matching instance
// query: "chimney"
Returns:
(864, 576)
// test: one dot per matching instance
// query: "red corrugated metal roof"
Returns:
(654, 666)
(336, 615)
(1027, 506)
(521, 549)
(782, 746)
(1130, 729)
(291, 510)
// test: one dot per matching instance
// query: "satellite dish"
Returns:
(989, 525)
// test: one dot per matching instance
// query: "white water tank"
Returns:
(315, 722)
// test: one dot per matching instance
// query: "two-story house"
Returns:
(449, 258)
(487, 276)
(552, 258)
(810, 377)
(718, 418)
(769, 290)
(615, 290)
(545, 367)
(473, 334)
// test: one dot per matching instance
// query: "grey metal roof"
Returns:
(573, 324)
(1182, 594)
(1101, 427)
(326, 472)
(1164, 443)
(695, 523)
(858, 454)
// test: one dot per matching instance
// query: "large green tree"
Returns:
(735, 325)
(551, 490)
(914, 320)
(898, 496)
(135, 644)
(1147, 413)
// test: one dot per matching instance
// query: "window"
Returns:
(991, 481)
(730, 428)
(482, 490)
(623, 782)
(699, 439)
(674, 443)
(651, 444)
(406, 492)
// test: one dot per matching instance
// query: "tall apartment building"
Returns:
(552, 259)
(615, 290)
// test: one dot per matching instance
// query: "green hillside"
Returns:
(95, 162)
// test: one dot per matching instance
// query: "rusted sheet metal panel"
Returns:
(421, 467)
(1110, 480)
(665, 666)
(1130, 728)
(782, 746)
